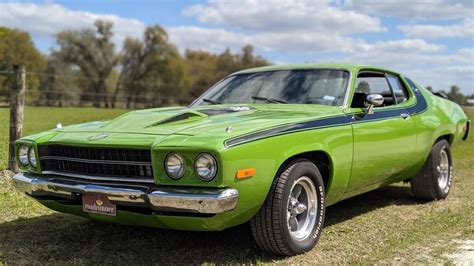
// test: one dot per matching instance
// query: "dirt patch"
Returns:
(464, 255)
(7, 174)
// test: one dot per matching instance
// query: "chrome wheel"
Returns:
(443, 169)
(302, 208)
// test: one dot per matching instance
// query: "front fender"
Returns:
(268, 154)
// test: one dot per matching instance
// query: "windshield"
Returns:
(315, 86)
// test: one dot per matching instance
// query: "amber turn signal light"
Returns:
(245, 173)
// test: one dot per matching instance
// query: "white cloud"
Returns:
(439, 70)
(296, 28)
(45, 20)
(283, 16)
(295, 42)
(191, 37)
(442, 78)
(460, 30)
(412, 59)
(302, 26)
(400, 46)
(416, 9)
(292, 42)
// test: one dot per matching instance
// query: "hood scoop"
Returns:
(178, 118)
(199, 114)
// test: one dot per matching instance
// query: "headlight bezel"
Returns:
(23, 159)
(214, 162)
(182, 170)
(33, 163)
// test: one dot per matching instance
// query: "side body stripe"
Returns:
(419, 107)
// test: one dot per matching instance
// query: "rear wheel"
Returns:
(291, 219)
(434, 180)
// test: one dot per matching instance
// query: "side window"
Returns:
(374, 82)
(398, 89)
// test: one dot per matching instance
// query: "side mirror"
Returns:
(373, 100)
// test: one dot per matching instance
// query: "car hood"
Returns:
(228, 120)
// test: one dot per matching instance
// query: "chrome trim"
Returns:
(345, 104)
(101, 178)
(181, 171)
(93, 161)
(184, 200)
(375, 99)
(404, 115)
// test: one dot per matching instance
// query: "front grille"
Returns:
(101, 162)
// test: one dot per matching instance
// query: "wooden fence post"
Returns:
(17, 107)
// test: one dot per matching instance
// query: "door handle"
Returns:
(404, 115)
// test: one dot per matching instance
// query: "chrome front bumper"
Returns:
(192, 200)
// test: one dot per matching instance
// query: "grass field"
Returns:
(383, 226)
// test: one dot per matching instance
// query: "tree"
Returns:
(93, 52)
(61, 83)
(455, 95)
(16, 47)
(150, 67)
(248, 58)
(205, 69)
(201, 69)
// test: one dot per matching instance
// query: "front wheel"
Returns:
(291, 219)
(434, 180)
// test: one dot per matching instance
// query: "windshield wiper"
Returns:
(210, 101)
(268, 100)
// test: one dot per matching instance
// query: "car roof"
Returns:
(349, 67)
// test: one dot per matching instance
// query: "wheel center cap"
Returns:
(296, 207)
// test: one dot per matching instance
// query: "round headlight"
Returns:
(23, 154)
(206, 166)
(32, 156)
(174, 165)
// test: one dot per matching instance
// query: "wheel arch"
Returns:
(320, 158)
(448, 137)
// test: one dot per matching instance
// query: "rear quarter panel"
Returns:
(442, 118)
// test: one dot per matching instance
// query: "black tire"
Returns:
(270, 227)
(425, 186)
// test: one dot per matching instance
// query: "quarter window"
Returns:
(398, 89)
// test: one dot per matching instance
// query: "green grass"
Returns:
(383, 226)
(39, 119)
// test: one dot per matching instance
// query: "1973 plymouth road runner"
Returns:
(272, 145)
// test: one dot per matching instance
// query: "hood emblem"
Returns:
(239, 108)
(228, 129)
(98, 137)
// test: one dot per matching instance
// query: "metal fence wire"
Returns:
(137, 94)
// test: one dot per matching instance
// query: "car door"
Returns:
(383, 140)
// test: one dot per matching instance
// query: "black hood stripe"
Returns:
(325, 122)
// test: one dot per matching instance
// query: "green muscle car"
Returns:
(273, 146)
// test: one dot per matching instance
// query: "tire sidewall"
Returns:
(304, 168)
(442, 193)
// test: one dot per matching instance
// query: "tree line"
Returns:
(86, 66)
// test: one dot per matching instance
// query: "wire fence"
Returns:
(133, 94)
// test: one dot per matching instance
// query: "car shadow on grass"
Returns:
(61, 238)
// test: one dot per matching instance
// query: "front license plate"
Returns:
(97, 203)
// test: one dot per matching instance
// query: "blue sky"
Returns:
(431, 41)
